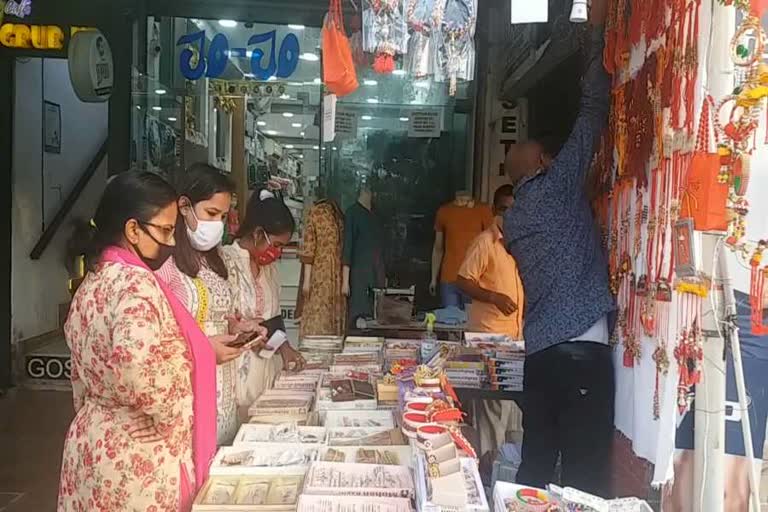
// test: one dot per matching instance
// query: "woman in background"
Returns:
(198, 277)
(251, 263)
(139, 361)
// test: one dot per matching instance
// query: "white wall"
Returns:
(38, 287)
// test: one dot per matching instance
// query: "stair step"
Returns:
(47, 362)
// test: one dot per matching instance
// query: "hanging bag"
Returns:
(338, 67)
(705, 198)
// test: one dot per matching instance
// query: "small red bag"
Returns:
(339, 73)
(705, 198)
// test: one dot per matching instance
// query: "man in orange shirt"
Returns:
(489, 276)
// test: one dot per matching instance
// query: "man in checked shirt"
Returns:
(550, 231)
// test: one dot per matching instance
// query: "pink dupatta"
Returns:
(203, 380)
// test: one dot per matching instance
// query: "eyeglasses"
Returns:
(166, 232)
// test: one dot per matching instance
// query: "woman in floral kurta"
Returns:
(128, 355)
(138, 362)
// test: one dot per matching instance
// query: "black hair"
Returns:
(551, 142)
(269, 214)
(130, 195)
(201, 182)
(504, 191)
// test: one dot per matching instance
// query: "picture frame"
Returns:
(51, 127)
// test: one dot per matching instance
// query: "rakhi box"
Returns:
(341, 479)
(268, 458)
(282, 402)
(377, 418)
(249, 494)
(310, 503)
(384, 455)
(280, 433)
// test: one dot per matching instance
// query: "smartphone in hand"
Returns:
(246, 340)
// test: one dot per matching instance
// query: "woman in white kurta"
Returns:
(198, 277)
(253, 277)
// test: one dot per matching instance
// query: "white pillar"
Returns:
(709, 480)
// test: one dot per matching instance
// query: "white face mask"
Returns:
(207, 235)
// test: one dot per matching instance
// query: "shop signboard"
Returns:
(91, 68)
(196, 61)
(48, 367)
(18, 9)
(38, 37)
(425, 123)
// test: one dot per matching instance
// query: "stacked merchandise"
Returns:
(445, 466)
(515, 498)
(401, 354)
(504, 359)
(321, 344)
(467, 369)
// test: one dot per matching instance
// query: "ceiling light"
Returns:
(366, 118)
(287, 114)
(370, 82)
(261, 123)
(301, 134)
(296, 125)
(372, 100)
(404, 119)
(317, 81)
(272, 78)
(315, 147)
(399, 72)
(228, 23)
(289, 146)
(172, 119)
(157, 109)
(296, 27)
(309, 56)
(249, 75)
(301, 156)
(285, 96)
(334, 148)
(271, 132)
(160, 91)
(138, 107)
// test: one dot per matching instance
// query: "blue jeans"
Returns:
(451, 295)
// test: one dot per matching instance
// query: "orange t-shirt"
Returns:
(459, 225)
(490, 266)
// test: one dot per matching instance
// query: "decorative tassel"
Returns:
(384, 63)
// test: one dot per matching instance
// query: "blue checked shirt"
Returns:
(552, 235)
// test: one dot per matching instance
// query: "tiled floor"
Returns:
(32, 429)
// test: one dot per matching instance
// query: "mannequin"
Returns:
(456, 226)
(362, 256)
(323, 307)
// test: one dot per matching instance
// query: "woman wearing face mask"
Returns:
(139, 362)
(198, 277)
(267, 228)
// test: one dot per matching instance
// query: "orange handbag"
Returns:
(704, 198)
(339, 73)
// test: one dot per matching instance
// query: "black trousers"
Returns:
(568, 411)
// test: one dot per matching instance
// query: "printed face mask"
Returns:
(207, 235)
(268, 255)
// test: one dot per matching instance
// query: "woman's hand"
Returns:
(142, 428)
(225, 353)
(292, 360)
(238, 324)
